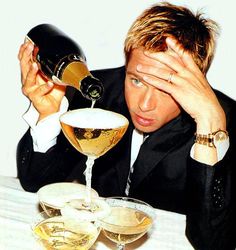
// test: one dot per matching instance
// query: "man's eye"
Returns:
(136, 82)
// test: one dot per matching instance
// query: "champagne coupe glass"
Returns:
(93, 131)
(53, 197)
(128, 220)
(64, 232)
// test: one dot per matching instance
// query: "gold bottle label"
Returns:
(74, 73)
(71, 70)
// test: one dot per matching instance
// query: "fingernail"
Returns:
(139, 67)
(146, 52)
(50, 84)
(35, 65)
(30, 46)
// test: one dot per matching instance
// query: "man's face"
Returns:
(149, 107)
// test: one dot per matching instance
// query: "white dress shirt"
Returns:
(44, 133)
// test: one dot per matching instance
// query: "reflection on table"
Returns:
(18, 207)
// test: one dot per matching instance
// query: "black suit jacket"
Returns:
(164, 173)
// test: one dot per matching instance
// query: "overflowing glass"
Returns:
(74, 213)
(129, 219)
(64, 232)
(93, 132)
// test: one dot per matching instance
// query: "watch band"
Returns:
(211, 139)
(206, 140)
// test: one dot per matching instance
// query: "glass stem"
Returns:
(120, 247)
(88, 175)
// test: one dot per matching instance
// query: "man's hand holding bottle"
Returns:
(44, 95)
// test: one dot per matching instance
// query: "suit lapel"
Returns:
(123, 162)
(157, 146)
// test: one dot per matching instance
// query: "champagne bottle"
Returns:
(62, 60)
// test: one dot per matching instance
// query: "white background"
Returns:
(99, 26)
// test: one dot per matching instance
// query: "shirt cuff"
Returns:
(44, 133)
(221, 149)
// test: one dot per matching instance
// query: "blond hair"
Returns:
(196, 33)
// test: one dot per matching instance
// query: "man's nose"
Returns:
(148, 101)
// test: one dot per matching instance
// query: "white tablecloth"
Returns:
(17, 208)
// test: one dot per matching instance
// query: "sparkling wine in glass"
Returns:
(128, 220)
(63, 232)
(53, 197)
(93, 131)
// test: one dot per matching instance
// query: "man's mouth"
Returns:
(143, 121)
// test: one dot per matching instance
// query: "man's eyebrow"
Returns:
(135, 75)
(132, 73)
(129, 72)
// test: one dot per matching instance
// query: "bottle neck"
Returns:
(74, 73)
(77, 75)
(91, 88)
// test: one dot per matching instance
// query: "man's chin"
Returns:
(144, 129)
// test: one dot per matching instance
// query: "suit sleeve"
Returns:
(61, 162)
(211, 214)
(37, 169)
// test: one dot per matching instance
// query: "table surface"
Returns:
(18, 207)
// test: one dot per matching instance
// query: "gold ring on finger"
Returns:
(170, 77)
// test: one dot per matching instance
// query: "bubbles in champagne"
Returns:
(63, 233)
(93, 132)
(56, 195)
(94, 118)
(77, 211)
(128, 220)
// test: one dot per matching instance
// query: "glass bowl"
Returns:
(53, 197)
(64, 233)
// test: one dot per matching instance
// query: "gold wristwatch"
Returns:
(212, 139)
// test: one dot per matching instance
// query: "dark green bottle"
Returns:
(63, 61)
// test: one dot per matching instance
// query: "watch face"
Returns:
(220, 136)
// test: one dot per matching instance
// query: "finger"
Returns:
(26, 60)
(26, 53)
(169, 80)
(173, 63)
(154, 67)
(21, 50)
(25, 50)
(44, 89)
(158, 72)
(30, 79)
(162, 85)
(40, 91)
(185, 56)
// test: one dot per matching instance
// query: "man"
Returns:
(184, 163)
